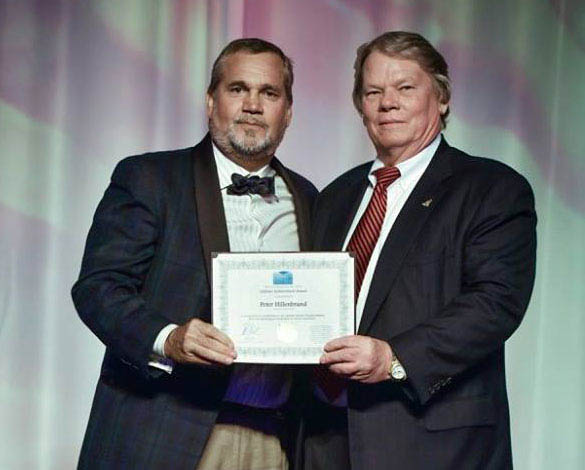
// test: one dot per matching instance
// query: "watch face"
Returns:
(398, 373)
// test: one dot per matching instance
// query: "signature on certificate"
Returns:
(250, 329)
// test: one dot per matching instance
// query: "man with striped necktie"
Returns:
(445, 257)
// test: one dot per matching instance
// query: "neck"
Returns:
(395, 155)
(250, 163)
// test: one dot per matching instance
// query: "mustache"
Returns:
(251, 120)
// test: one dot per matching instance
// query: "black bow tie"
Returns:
(251, 185)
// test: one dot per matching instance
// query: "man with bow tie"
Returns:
(445, 257)
(169, 395)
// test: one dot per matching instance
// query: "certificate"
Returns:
(281, 308)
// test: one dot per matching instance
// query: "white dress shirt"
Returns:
(254, 223)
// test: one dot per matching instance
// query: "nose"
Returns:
(389, 101)
(251, 103)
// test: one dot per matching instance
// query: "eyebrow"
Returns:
(262, 87)
(268, 87)
(241, 83)
(398, 82)
(407, 78)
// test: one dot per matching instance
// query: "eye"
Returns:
(406, 87)
(271, 93)
(235, 89)
(372, 93)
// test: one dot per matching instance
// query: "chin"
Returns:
(394, 142)
(251, 148)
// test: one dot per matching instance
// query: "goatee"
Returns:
(248, 145)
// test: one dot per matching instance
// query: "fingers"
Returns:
(346, 362)
(198, 342)
(345, 369)
(341, 359)
(203, 355)
(353, 371)
(359, 358)
(211, 350)
(205, 342)
(212, 332)
(339, 355)
(340, 343)
(209, 337)
(345, 349)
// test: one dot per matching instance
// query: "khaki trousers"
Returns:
(245, 439)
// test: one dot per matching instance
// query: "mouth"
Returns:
(251, 123)
(390, 122)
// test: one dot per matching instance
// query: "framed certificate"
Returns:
(281, 308)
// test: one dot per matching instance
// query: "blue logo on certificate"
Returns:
(282, 277)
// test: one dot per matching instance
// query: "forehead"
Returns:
(382, 67)
(263, 68)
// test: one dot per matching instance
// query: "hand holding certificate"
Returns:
(283, 307)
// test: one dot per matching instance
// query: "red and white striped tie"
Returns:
(366, 233)
(362, 242)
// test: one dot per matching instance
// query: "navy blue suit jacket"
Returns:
(451, 284)
(147, 264)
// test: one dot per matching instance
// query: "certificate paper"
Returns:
(281, 308)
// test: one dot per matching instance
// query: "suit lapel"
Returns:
(301, 203)
(210, 211)
(342, 215)
(408, 224)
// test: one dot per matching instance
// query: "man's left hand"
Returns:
(359, 358)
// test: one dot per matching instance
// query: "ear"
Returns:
(443, 107)
(288, 116)
(209, 105)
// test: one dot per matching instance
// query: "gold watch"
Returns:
(396, 371)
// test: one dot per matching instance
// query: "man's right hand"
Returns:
(197, 342)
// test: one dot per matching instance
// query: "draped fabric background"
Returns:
(83, 84)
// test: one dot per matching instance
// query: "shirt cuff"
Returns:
(162, 363)
(158, 359)
(159, 343)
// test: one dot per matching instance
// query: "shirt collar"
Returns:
(226, 167)
(412, 168)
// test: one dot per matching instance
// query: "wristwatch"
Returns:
(396, 371)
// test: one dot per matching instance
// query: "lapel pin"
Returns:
(427, 203)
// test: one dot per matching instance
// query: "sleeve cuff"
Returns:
(159, 343)
(161, 363)
(158, 360)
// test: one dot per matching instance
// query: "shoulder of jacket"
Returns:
(484, 170)
(155, 160)
(349, 177)
(154, 174)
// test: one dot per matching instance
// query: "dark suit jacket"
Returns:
(147, 264)
(451, 285)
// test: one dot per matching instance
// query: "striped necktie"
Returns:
(366, 234)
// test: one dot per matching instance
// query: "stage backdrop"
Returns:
(83, 84)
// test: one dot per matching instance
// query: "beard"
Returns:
(248, 146)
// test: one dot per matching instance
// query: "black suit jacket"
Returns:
(147, 264)
(451, 284)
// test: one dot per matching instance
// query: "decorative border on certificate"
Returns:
(232, 279)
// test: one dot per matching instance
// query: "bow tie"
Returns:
(251, 185)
